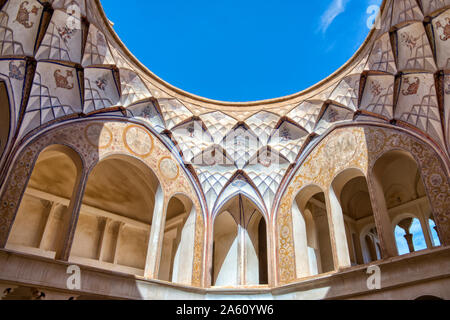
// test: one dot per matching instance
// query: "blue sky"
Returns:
(418, 237)
(241, 50)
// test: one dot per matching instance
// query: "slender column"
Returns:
(104, 222)
(425, 227)
(184, 257)
(300, 242)
(241, 257)
(210, 247)
(409, 240)
(406, 225)
(71, 218)
(116, 249)
(51, 214)
(382, 219)
(337, 231)
(156, 236)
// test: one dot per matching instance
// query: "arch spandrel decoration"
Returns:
(435, 175)
(95, 141)
(357, 147)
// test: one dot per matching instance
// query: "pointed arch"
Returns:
(240, 184)
(239, 249)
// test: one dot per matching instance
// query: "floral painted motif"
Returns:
(63, 81)
(101, 83)
(413, 86)
(376, 88)
(23, 15)
(285, 134)
(409, 40)
(332, 115)
(17, 71)
(95, 140)
(445, 29)
(66, 33)
(148, 112)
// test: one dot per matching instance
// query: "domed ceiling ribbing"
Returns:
(61, 60)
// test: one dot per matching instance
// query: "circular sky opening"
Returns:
(239, 51)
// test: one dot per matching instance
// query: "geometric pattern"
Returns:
(19, 38)
(133, 89)
(218, 124)
(213, 179)
(430, 6)
(382, 57)
(267, 179)
(417, 104)
(441, 24)
(63, 39)
(173, 112)
(406, 10)
(306, 114)
(147, 111)
(51, 99)
(288, 140)
(346, 92)
(100, 89)
(396, 70)
(333, 114)
(378, 95)
(97, 49)
(414, 50)
(263, 124)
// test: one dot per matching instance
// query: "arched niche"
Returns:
(402, 191)
(115, 218)
(369, 241)
(45, 209)
(177, 254)
(5, 117)
(239, 254)
(311, 232)
(409, 235)
(350, 197)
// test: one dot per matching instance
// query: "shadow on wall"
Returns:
(97, 215)
(5, 118)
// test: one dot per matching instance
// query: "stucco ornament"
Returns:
(168, 168)
(138, 141)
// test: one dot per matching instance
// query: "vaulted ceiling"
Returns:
(66, 55)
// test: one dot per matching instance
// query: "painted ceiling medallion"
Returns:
(168, 168)
(138, 141)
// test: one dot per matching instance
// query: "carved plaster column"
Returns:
(156, 236)
(300, 242)
(337, 231)
(382, 219)
(406, 225)
(71, 218)
(184, 257)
